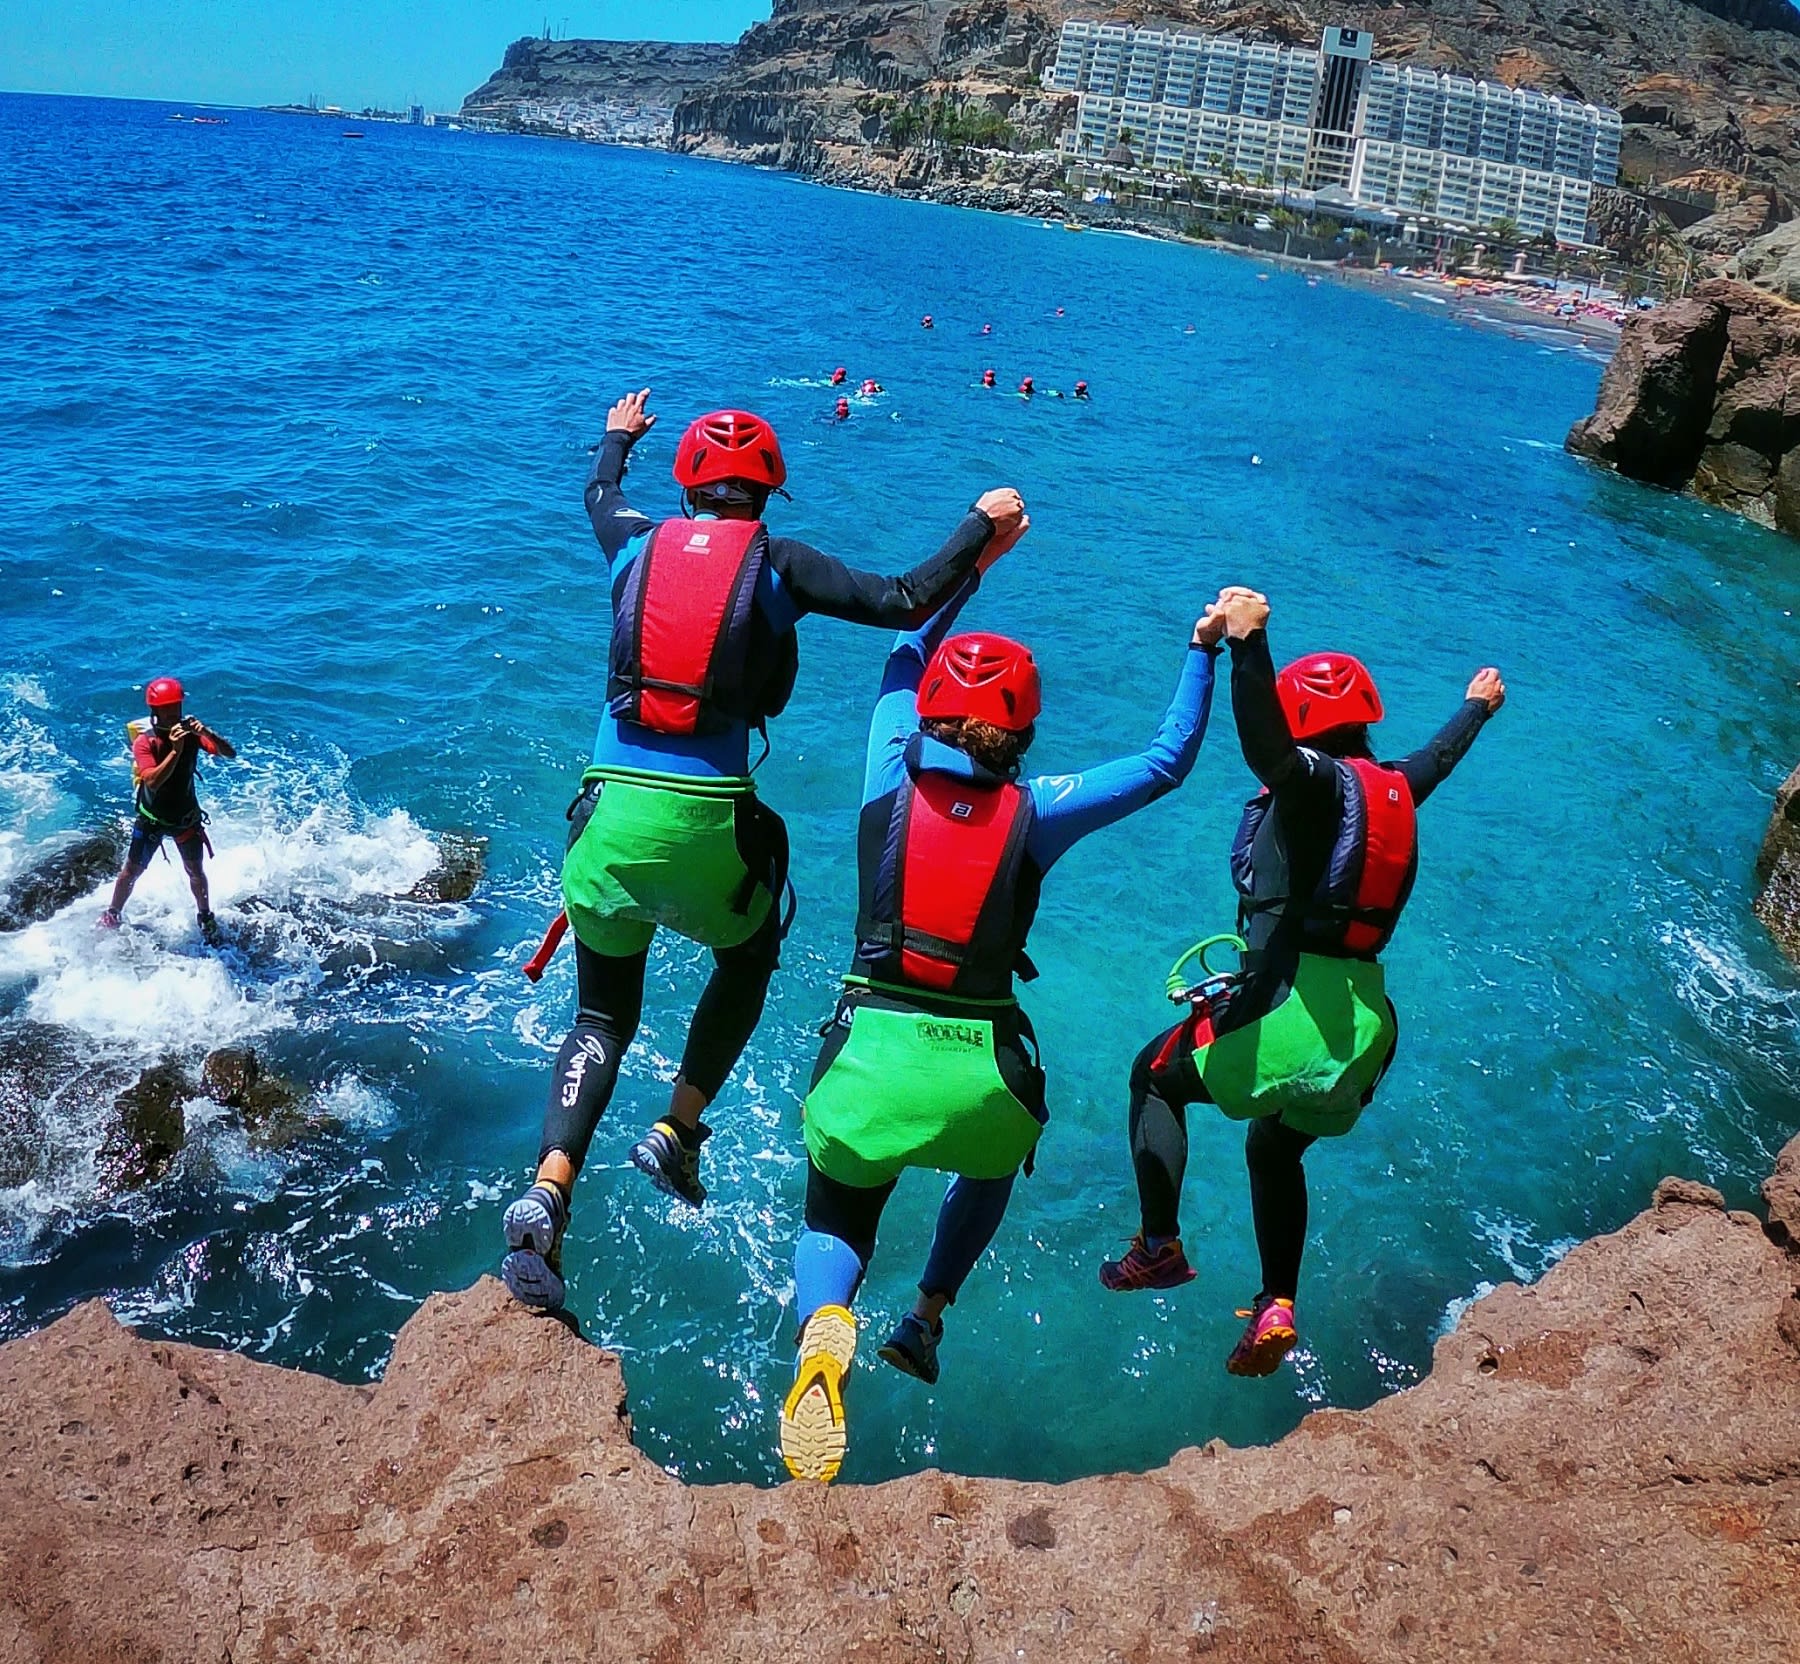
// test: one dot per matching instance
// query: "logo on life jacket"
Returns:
(682, 627)
(948, 892)
(1368, 876)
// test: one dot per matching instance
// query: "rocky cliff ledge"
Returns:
(1709, 85)
(1604, 1466)
(570, 83)
(1704, 395)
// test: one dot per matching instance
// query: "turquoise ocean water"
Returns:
(305, 421)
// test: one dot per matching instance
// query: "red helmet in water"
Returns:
(986, 677)
(165, 690)
(1325, 691)
(729, 445)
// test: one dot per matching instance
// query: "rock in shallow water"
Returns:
(150, 1129)
(1703, 394)
(50, 884)
(461, 862)
(1778, 870)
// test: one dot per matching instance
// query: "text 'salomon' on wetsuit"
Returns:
(871, 1110)
(1289, 855)
(662, 785)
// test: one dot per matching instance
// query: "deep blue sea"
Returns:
(305, 421)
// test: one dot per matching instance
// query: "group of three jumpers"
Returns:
(929, 1060)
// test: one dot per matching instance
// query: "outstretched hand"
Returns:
(1245, 610)
(1488, 688)
(630, 417)
(1006, 509)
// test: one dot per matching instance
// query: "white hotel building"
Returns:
(1415, 141)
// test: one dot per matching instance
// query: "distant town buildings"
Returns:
(600, 121)
(1336, 121)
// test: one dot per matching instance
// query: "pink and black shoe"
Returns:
(1147, 1267)
(1268, 1338)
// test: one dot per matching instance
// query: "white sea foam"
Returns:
(307, 885)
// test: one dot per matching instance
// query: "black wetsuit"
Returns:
(1292, 850)
(798, 579)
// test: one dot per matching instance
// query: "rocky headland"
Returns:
(1703, 395)
(1603, 1466)
(1710, 92)
(615, 88)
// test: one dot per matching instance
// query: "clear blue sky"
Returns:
(349, 52)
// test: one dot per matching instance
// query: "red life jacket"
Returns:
(948, 892)
(681, 628)
(1368, 877)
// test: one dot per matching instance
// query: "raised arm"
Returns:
(1429, 767)
(812, 581)
(1067, 807)
(896, 717)
(614, 520)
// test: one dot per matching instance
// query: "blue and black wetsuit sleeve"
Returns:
(896, 716)
(1067, 807)
(808, 580)
(616, 523)
(1298, 776)
(1429, 767)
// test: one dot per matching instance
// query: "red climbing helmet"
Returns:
(729, 445)
(1325, 691)
(986, 677)
(165, 690)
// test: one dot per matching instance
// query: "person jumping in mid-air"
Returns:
(668, 829)
(165, 755)
(1323, 862)
(930, 1062)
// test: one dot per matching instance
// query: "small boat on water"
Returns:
(1070, 225)
(352, 135)
(212, 121)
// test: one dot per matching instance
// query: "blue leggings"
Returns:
(839, 1240)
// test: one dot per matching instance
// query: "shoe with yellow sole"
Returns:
(813, 1435)
(1268, 1338)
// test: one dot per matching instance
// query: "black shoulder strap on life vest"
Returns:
(988, 958)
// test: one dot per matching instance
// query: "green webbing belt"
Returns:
(688, 784)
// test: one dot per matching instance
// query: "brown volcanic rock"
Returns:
(1778, 882)
(1705, 394)
(1605, 1466)
(1712, 83)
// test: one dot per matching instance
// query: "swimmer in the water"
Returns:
(926, 322)
(870, 388)
(1027, 387)
(1081, 390)
(987, 329)
(987, 378)
(843, 409)
(837, 376)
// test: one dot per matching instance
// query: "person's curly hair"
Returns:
(998, 750)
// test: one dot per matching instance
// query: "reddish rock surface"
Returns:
(1778, 872)
(1603, 1466)
(1704, 394)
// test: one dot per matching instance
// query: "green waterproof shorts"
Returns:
(704, 857)
(1315, 1059)
(913, 1088)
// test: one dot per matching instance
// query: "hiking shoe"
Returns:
(1268, 1338)
(1145, 1267)
(210, 933)
(912, 1348)
(108, 920)
(534, 1227)
(670, 1164)
(813, 1436)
